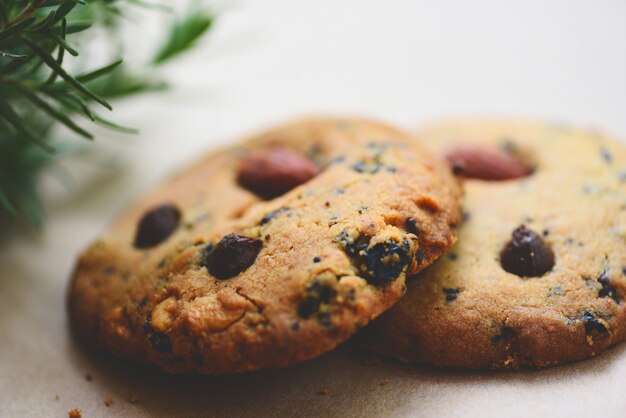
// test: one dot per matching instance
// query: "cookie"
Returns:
(538, 276)
(269, 252)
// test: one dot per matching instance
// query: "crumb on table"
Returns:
(75, 413)
(134, 398)
(108, 402)
(324, 392)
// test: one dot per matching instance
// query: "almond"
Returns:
(485, 164)
(272, 172)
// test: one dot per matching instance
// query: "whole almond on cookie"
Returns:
(272, 172)
(485, 164)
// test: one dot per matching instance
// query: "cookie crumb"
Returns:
(384, 382)
(108, 402)
(75, 413)
(88, 377)
(134, 398)
(56, 397)
(324, 392)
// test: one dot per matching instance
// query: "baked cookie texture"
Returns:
(269, 252)
(538, 276)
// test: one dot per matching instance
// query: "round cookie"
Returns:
(538, 276)
(269, 252)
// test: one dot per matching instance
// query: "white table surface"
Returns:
(407, 62)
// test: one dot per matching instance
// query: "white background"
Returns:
(408, 62)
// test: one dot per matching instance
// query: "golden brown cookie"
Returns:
(269, 252)
(538, 276)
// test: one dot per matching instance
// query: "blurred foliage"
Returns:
(37, 91)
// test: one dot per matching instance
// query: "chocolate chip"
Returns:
(380, 264)
(324, 319)
(316, 294)
(505, 334)
(273, 214)
(592, 324)
(526, 254)
(368, 167)
(156, 225)
(451, 293)
(607, 289)
(317, 259)
(143, 302)
(411, 225)
(159, 341)
(606, 155)
(232, 255)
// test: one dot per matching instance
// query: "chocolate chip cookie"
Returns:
(538, 276)
(269, 252)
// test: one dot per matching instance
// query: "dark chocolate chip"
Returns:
(505, 334)
(451, 293)
(157, 225)
(607, 289)
(457, 169)
(273, 214)
(232, 255)
(316, 294)
(380, 264)
(411, 225)
(161, 342)
(143, 302)
(452, 256)
(363, 166)
(592, 324)
(295, 326)
(307, 307)
(317, 259)
(546, 232)
(606, 155)
(324, 319)
(526, 254)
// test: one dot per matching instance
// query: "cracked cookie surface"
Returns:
(268, 252)
(538, 276)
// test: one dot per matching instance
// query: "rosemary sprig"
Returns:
(38, 91)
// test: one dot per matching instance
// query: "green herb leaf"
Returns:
(183, 35)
